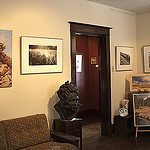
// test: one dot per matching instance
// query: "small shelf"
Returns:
(124, 125)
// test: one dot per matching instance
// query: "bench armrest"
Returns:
(64, 138)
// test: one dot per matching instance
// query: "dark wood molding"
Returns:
(104, 62)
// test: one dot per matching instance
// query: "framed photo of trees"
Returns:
(40, 55)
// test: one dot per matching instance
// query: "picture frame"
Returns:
(124, 58)
(78, 63)
(41, 55)
(140, 82)
(5, 58)
(93, 61)
(141, 109)
(146, 58)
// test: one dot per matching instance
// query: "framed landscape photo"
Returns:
(140, 82)
(124, 58)
(146, 60)
(40, 55)
(141, 108)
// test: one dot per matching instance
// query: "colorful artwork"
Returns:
(140, 82)
(5, 58)
(93, 61)
(141, 106)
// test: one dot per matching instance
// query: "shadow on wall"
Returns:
(52, 113)
(127, 88)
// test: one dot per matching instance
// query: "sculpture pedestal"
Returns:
(72, 127)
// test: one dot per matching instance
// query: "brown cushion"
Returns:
(3, 143)
(26, 131)
(52, 146)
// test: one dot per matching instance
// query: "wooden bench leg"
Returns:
(136, 132)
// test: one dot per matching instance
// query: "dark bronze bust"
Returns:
(68, 105)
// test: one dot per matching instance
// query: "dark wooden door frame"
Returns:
(104, 62)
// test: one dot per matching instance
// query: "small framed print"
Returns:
(146, 60)
(124, 58)
(78, 63)
(40, 55)
(93, 61)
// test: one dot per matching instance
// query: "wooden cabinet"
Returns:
(124, 125)
(72, 127)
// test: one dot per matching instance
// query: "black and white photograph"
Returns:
(40, 55)
(124, 58)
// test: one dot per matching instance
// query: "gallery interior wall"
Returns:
(30, 94)
(143, 38)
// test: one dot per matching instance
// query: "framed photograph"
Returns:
(141, 108)
(124, 58)
(140, 82)
(40, 55)
(93, 61)
(78, 63)
(146, 60)
(5, 58)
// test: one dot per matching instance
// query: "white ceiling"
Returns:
(129, 5)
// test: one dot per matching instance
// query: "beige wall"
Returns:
(30, 94)
(143, 37)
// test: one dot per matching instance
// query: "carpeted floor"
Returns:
(91, 126)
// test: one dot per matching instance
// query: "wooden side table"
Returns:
(124, 125)
(72, 127)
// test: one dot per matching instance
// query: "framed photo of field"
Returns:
(146, 59)
(40, 55)
(124, 58)
(141, 107)
(140, 82)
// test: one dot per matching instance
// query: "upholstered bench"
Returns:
(32, 133)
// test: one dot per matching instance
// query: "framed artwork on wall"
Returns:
(93, 61)
(140, 82)
(40, 55)
(78, 63)
(124, 58)
(141, 107)
(146, 60)
(5, 58)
